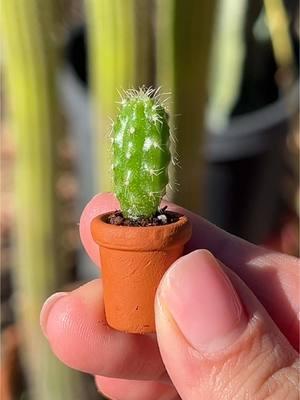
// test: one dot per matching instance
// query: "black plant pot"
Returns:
(77, 56)
(245, 164)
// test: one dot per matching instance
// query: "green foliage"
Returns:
(141, 153)
(120, 56)
(183, 32)
(31, 60)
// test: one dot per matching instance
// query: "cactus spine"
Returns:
(141, 153)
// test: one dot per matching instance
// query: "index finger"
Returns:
(273, 277)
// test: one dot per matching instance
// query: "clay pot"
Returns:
(133, 261)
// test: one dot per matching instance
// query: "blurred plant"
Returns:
(184, 34)
(120, 51)
(278, 24)
(140, 153)
(249, 114)
(31, 54)
(252, 57)
(228, 52)
(122, 36)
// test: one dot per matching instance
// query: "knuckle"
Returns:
(284, 384)
(260, 368)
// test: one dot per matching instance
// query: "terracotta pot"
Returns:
(133, 261)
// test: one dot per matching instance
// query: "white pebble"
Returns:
(162, 218)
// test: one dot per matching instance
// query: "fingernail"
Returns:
(203, 302)
(46, 309)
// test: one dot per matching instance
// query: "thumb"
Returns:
(216, 339)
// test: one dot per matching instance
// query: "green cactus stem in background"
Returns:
(183, 37)
(141, 153)
(31, 59)
(121, 48)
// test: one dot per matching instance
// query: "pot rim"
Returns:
(135, 238)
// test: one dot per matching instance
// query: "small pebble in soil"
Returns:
(163, 218)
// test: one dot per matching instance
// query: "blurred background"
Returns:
(231, 69)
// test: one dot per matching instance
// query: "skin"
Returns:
(232, 332)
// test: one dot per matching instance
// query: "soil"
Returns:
(162, 217)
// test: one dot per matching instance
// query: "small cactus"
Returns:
(141, 155)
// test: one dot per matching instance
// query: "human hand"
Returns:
(227, 324)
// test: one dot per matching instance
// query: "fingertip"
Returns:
(80, 337)
(203, 302)
(46, 310)
(76, 324)
(189, 258)
(99, 204)
(66, 310)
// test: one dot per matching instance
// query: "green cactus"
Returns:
(141, 153)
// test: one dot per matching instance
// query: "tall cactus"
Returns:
(140, 153)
